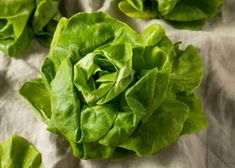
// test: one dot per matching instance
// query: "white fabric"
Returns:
(211, 148)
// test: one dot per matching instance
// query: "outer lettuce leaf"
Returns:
(114, 93)
(187, 71)
(161, 130)
(21, 20)
(189, 14)
(65, 106)
(18, 152)
(37, 96)
(197, 119)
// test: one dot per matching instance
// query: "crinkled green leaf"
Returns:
(96, 122)
(18, 152)
(167, 47)
(93, 68)
(197, 119)
(131, 10)
(141, 101)
(48, 72)
(124, 124)
(65, 105)
(37, 96)
(161, 130)
(140, 96)
(115, 93)
(187, 71)
(45, 11)
(93, 35)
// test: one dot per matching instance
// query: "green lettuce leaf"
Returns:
(197, 119)
(187, 71)
(15, 33)
(162, 129)
(18, 152)
(137, 9)
(65, 106)
(22, 20)
(42, 102)
(114, 93)
(45, 19)
(188, 14)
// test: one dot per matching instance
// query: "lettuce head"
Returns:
(112, 92)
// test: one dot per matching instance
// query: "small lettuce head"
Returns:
(114, 93)
(21, 20)
(188, 14)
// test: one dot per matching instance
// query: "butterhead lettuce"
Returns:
(189, 14)
(21, 20)
(18, 152)
(114, 93)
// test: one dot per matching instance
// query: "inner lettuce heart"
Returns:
(22, 20)
(114, 93)
(188, 14)
(18, 152)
